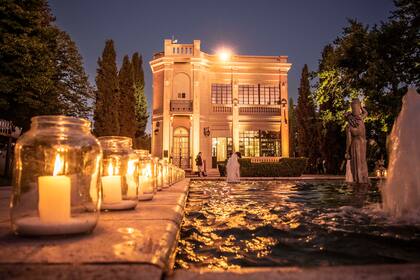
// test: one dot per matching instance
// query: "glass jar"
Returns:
(165, 173)
(55, 179)
(120, 172)
(147, 188)
(171, 174)
(158, 174)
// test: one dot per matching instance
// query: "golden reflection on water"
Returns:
(287, 224)
(224, 211)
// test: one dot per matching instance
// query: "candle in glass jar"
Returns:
(131, 183)
(54, 195)
(111, 186)
(146, 179)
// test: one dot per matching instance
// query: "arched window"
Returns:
(181, 87)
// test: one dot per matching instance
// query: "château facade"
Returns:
(218, 104)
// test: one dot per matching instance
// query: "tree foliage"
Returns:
(142, 115)
(40, 68)
(127, 101)
(74, 91)
(107, 93)
(376, 64)
(306, 121)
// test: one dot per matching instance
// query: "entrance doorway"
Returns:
(181, 148)
(221, 148)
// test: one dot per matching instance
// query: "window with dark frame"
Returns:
(221, 94)
(259, 143)
(259, 94)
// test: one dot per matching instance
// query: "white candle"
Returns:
(111, 187)
(54, 195)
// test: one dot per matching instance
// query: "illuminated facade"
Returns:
(217, 104)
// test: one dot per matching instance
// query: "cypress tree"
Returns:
(74, 90)
(306, 122)
(127, 104)
(141, 102)
(107, 93)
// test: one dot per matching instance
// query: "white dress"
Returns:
(232, 169)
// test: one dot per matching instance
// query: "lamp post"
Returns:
(225, 55)
(283, 122)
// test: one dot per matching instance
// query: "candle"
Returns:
(54, 195)
(111, 186)
(146, 179)
(131, 183)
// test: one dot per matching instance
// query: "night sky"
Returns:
(296, 28)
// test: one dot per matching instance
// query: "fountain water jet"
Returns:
(401, 191)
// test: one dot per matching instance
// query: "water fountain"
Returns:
(401, 191)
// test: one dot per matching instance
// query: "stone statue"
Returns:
(356, 142)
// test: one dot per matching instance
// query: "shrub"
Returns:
(286, 167)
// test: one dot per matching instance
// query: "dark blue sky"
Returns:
(296, 28)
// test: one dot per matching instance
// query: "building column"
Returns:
(171, 135)
(166, 125)
(284, 116)
(235, 113)
(196, 115)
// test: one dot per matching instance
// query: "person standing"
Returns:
(199, 163)
(233, 169)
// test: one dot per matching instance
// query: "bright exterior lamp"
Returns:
(119, 178)
(55, 181)
(224, 55)
(147, 190)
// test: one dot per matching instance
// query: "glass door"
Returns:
(181, 148)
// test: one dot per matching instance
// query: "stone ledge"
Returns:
(368, 272)
(70, 271)
(145, 236)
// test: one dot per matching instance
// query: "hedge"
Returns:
(285, 167)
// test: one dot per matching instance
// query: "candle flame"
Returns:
(147, 171)
(131, 167)
(58, 165)
(110, 169)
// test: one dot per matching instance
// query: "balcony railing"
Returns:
(257, 110)
(181, 105)
(222, 109)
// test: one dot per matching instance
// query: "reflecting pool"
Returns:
(281, 223)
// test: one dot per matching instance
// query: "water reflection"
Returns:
(289, 223)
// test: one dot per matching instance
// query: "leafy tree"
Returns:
(145, 142)
(75, 92)
(107, 93)
(306, 122)
(376, 64)
(40, 68)
(292, 128)
(330, 97)
(127, 104)
(27, 68)
(141, 102)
